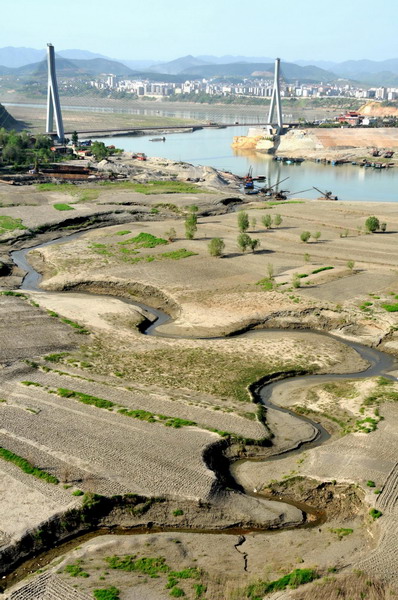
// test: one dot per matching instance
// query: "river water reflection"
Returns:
(213, 147)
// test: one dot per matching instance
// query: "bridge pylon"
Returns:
(53, 103)
(276, 99)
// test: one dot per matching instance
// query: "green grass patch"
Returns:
(145, 240)
(26, 466)
(68, 188)
(110, 593)
(144, 415)
(123, 232)
(167, 206)
(341, 389)
(375, 514)
(56, 357)
(78, 493)
(28, 383)
(79, 328)
(61, 206)
(178, 512)
(148, 566)
(256, 591)
(85, 398)
(10, 224)
(266, 283)
(276, 203)
(75, 570)
(315, 271)
(178, 254)
(371, 483)
(156, 187)
(177, 592)
(15, 294)
(390, 307)
(341, 532)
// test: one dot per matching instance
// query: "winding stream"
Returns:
(379, 362)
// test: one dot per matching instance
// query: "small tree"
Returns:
(75, 138)
(277, 220)
(307, 257)
(266, 220)
(316, 235)
(372, 224)
(244, 241)
(383, 227)
(216, 246)
(296, 280)
(270, 271)
(243, 221)
(99, 150)
(253, 223)
(171, 234)
(191, 225)
(305, 236)
(351, 264)
(254, 244)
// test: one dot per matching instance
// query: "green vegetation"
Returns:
(277, 203)
(144, 240)
(375, 514)
(61, 206)
(110, 593)
(305, 236)
(243, 221)
(56, 357)
(171, 234)
(16, 294)
(277, 220)
(178, 254)
(123, 232)
(256, 591)
(144, 415)
(156, 187)
(78, 493)
(216, 247)
(10, 224)
(177, 592)
(316, 236)
(315, 271)
(199, 589)
(178, 512)
(351, 264)
(266, 220)
(85, 398)
(296, 280)
(20, 150)
(147, 566)
(341, 532)
(26, 466)
(191, 225)
(245, 241)
(372, 224)
(390, 307)
(75, 570)
(370, 483)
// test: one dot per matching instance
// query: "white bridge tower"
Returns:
(276, 99)
(53, 104)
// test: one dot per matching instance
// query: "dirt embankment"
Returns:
(376, 109)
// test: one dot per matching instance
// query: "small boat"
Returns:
(158, 139)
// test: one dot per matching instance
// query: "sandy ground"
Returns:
(106, 452)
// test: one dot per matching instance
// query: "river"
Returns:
(212, 147)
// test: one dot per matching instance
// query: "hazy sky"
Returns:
(166, 29)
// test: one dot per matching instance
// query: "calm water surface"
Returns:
(212, 147)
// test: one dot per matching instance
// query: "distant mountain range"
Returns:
(74, 63)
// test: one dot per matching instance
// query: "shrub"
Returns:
(307, 257)
(390, 307)
(177, 592)
(296, 280)
(110, 593)
(351, 264)
(266, 220)
(305, 236)
(178, 512)
(375, 514)
(372, 224)
(254, 244)
(253, 222)
(191, 225)
(216, 246)
(383, 227)
(370, 483)
(316, 236)
(277, 220)
(243, 221)
(244, 241)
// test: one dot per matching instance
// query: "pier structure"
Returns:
(53, 103)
